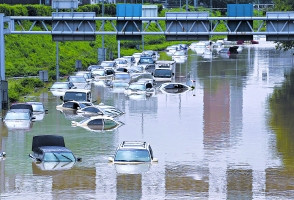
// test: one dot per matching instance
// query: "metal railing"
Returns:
(15, 25)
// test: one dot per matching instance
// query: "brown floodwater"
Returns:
(222, 140)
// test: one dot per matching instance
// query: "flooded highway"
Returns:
(226, 139)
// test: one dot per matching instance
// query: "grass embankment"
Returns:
(26, 55)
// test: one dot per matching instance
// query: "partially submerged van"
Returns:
(77, 95)
(164, 71)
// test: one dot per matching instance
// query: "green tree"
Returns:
(284, 5)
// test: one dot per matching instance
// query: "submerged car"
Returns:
(86, 74)
(140, 87)
(98, 123)
(59, 88)
(90, 111)
(22, 106)
(79, 82)
(119, 86)
(133, 152)
(103, 74)
(174, 88)
(77, 95)
(180, 56)
(39, 110)
(73, 105)
(80, 107)
(51, 148)
(19, 119)
(111, 64)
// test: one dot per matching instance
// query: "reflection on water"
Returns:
(223, 140)
(281, 120)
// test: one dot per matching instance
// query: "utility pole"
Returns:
(57, 58)
(103, 30)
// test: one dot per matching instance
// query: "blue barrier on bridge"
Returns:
(129, 10)
(240, 10)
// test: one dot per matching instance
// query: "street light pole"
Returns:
(104, 56)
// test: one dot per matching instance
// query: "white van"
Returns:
(164, 71)
(79, 95)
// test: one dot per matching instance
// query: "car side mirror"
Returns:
(110, 159)
(173, 74)
(46, 111)
(155, 160)
(61, 98)
(33, 119)
(79, 159)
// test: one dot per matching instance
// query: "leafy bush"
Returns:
(19, 10)
(17, 88)
(6, 9)
(39, 10)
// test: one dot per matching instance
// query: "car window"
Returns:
(109, 124)
(132, 155)
(146, 60)
(98, 72)
(77, 79)
(38, 108)
(92, 109)
(58, 157)
(60, 86)
(151, 152)
(76, 96)
(150, 68)
(17, 116)
(95, 122)
(148, 85)
(109, 72)
(122, 76)
(162, 73)
(72, 105)
(137, 87)
(120, 84)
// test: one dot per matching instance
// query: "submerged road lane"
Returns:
(215, 142)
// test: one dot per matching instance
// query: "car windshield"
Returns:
(162, 73)
(59, 157)
(109, 124)
(60, 86)
(76, 96)
(122, 76)
(85, 75)
(78, 79)
(38, 108)
(85, 104)
(107, 64)
(179, 53)
(132, 155)
(146, 60)
(17, 116)
(121, 62)
(175, 86)
(137, 87)
(98, 72)
(120, 84)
